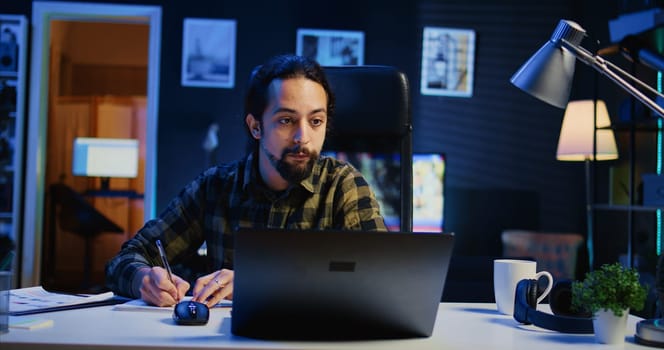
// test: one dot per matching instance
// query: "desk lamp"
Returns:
(548, 75)
(577, 143)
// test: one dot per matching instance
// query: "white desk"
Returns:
(458, 326)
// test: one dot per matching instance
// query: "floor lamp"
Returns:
(579, 143)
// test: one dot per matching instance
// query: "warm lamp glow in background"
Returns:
(578, 143)
(576, 134)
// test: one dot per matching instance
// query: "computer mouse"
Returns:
(191, 313)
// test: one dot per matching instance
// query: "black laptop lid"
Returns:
(338, 285)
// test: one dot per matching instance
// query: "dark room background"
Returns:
(500, 144)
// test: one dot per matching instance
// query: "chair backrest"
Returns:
(373, 115)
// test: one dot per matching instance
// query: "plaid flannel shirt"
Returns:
(229, 197)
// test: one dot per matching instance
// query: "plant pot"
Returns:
(609, 328)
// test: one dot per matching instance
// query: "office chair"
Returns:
(74, 214)
(373, 115)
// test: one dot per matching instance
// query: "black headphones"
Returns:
(563, 320)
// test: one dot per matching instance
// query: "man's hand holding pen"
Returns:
(159, 286)
(158, 289)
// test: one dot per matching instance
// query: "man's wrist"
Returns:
(137, 281)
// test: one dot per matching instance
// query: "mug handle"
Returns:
(549, 285)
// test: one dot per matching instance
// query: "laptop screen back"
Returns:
(338, 285)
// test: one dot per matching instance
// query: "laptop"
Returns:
(337, 285)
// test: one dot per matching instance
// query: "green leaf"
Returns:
(611, 287)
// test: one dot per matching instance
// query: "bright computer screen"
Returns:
(383, 173)
(105, 157)
(428, 192)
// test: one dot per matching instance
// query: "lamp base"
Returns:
(650, 332)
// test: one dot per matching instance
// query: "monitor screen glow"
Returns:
(428, 192)
(382, 171)
(105, 157)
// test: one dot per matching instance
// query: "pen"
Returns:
(164, 261)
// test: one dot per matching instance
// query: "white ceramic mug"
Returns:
(506, 275)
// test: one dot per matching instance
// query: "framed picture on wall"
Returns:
(208, 52)
(331, 47)
(448, 57)
(10, 37)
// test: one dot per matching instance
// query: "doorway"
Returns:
(42, 93)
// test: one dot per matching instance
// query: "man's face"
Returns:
(294, 123)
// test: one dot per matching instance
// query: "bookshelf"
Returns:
(13, 49)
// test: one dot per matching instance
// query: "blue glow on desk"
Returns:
(658, 214)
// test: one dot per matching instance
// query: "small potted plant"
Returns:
(609, 293)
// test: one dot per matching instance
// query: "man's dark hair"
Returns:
(283, 67)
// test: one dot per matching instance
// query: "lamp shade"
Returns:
(548, 74)
(576, 134)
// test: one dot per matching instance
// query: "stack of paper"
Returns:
(31, 300)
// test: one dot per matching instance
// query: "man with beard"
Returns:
(282, 183)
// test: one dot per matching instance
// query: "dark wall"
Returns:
(499, 141)
(263, 30)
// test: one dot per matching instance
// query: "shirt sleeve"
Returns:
(359, 208)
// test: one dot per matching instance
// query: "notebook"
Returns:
(302, 285)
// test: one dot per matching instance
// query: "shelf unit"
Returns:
(13, 49)
(637, 135)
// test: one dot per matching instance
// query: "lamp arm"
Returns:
(600, 65)
(631, 77)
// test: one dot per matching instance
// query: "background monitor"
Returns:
(382, 171)
(428, 192)
(105, 157)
